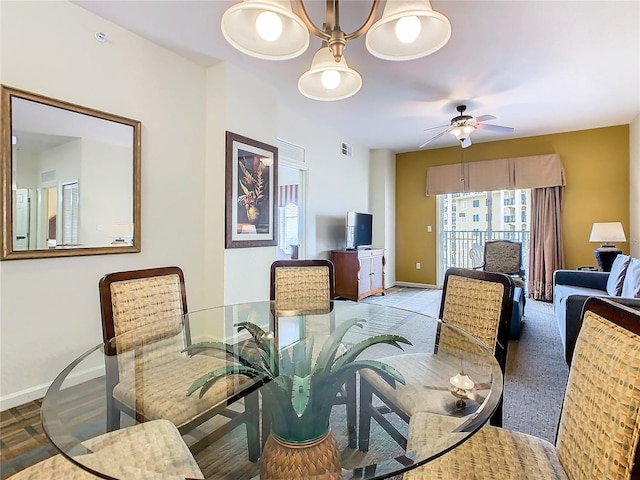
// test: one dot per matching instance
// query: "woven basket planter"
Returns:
(318, 458)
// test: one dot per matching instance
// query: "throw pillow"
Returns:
(631, 285)
(617, 274)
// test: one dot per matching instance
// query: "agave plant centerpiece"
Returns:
(300, 383)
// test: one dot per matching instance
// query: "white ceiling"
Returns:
(538, 66)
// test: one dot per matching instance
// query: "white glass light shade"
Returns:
(382, 41)
(310, 83)
(239, 29)
(607, 232)
(462, 132)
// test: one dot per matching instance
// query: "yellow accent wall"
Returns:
(596, 164)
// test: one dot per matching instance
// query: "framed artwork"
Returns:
(251, 183)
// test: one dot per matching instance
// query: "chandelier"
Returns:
(269, 29)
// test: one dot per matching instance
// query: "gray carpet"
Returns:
(536, 371)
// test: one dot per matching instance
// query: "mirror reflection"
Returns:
(71, 179)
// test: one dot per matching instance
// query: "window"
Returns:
(288, 227)
(70, 213)
(463, 205)
(476, 217)
(476, 203)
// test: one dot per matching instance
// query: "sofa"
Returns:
(571, 288)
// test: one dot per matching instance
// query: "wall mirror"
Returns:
(70, 179)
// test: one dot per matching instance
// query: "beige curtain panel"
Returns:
(537, 171)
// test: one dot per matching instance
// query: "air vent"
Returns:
(347, 149)
(289, 151)
(49, 176)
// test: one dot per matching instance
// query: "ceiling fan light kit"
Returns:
(463, 126)
(270, 30)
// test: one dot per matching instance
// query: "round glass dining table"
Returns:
(286, 359)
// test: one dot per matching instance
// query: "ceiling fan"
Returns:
(463, 126)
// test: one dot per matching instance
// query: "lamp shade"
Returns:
(384, 42)
(344, 81)
(607, 232)
(240, 30)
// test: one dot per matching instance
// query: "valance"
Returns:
(535, 171)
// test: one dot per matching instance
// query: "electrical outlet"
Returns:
(429, 228)
(418, 266)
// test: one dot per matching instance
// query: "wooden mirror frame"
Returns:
(7, 251)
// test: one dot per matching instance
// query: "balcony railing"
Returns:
(457, 243)
(509, 219)
(509, 201)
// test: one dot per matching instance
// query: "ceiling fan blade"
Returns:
(484, 118)
(466, 142)
(494, 128)
(439, 126)
(444, 132)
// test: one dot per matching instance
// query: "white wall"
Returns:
(634, 187)
(49, 308)
(382, 197)
(336, 183)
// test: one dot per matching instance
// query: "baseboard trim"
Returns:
(34, 393)
(417, 285)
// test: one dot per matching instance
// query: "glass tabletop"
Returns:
(294, 363)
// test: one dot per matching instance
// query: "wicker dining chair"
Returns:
(475, 301)
(308, 287)
(152, 449)
(153, 385)
(599, 425)
(302, 286)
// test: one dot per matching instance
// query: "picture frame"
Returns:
(251, 186)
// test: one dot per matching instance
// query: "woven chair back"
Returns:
(503, 256)
(130, 300)
(600, 425)
(480, 303)
(302, 286)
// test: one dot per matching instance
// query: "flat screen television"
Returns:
(359, 230)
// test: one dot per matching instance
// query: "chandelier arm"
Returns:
(368, 22)
(304, 16)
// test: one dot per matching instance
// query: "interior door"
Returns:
(292, 211)
(21, 219)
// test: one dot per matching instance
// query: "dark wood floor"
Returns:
(22, 440)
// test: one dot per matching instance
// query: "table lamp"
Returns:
(606, 233)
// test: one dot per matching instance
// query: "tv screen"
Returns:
(359, 229)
